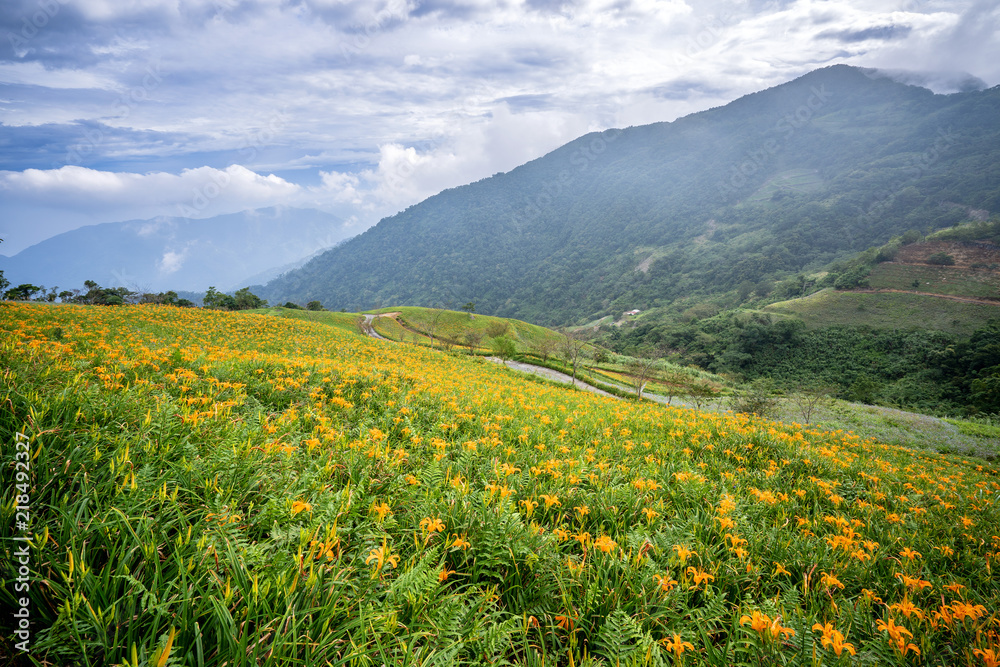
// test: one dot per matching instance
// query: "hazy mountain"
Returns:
(775, 183)
(177, 253)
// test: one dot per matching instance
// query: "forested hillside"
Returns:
(729, 200)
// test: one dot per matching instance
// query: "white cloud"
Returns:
(171, 262)
(364, 108)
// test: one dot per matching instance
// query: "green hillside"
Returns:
(725, 205)
(886, 310)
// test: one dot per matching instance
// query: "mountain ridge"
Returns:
(554, 240)
(172, 253)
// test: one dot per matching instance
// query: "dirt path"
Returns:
(549, 374)
(369, 327)
(966, 299)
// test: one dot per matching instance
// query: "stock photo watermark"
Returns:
(755, 160)
(121, 109)
(581, 159)
(32, 23)
(918, 166)
(250, 146)
(22, 539)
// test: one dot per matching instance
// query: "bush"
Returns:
(941, 259)
(754, 399)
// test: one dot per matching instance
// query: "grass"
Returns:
(794, 180)
(936, 280)
(453, 325)
(212, 488)
(886, 310)
(343, 321)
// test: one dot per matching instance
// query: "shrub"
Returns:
(941, 259)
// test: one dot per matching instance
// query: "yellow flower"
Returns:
(676, 646)
(831, 581)
(684, 553)
(909, 553)
(699, 576)
(550, 501)
(780, 569)
(991, 658)
(460, 543)
(906, 608)
(431, 526)
(605, 543)
(299, 506)
(758, 621)
(650, 513)
(897, 635)
(382, 509)
(382, 557)
(444, 574)
(833, 639)
(582, 511)
(666, 584)
(529, 506)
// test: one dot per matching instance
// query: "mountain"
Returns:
(721, 202)
(177, 253)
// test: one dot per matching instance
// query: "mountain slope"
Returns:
(176, 253)
(774, 183)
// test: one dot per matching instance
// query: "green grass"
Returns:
(886, 310)
(455, 324)
(343, 321)
(793, 180)
(936, 280)
(232, 489)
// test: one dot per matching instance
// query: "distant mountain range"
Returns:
(721, 204)
(226, 251)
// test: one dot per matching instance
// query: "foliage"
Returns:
(242, 299)
(216, 488)
(941, 258)
(590, 230)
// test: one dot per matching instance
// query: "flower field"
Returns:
(212, 488)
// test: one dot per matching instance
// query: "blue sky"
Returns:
(122, 109)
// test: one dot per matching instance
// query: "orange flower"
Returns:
(564, 622)
(299, 506)
(676, 646)
(460, 543)
(833, 639)
(605, 543)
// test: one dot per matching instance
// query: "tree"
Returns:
(810, 397)
(504, 347)
(572, 350)
(314, 305)
(23, 292)
(700, 393)
(473, 338)
(4, 283)
(435, 321)
(545, 347)
(213, 298)
(640, 371)
(470, 307)
(244, 299)
(754, 399)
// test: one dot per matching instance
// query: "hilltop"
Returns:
(723, 205)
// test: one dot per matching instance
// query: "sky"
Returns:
(131, 109)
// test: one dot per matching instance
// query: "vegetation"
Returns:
(753, 210)
(210, 487)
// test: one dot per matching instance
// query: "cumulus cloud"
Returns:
(361, 108)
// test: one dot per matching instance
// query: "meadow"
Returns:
(214, 488)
